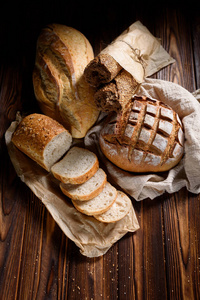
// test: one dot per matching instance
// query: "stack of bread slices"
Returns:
(86, 185)
(45, 141)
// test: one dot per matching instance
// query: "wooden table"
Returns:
(37, 261)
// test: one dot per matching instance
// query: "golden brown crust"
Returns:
(59, 85)
(147, 138)
(34, 133)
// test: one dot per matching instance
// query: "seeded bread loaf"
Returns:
(147, 138)
(43, 139)
(59, 84)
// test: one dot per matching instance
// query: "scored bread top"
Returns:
(59, 85)
(149, 137)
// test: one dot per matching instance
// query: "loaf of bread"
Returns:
(59, 84)
(42, 139)
(148, 138)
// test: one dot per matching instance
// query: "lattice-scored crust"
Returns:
(149, 135)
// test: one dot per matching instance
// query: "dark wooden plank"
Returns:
(196, 45)
(175, 33)
(180, 234)
(12, 212)
(181, 267)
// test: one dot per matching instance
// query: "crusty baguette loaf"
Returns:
(148, 138)
(117, 211)
(43, 139)
(76, 167)
(60, 87)
(87, 190)
(100, 203)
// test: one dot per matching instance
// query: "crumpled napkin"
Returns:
(187, 172)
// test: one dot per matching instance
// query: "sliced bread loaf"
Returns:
(87, 190)
(77, 166)
(43, 139)
(98, 204)
(117, 211)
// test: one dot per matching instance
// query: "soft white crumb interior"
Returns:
(87, 187)
(56, 148)
(98, 203)
(77, 162)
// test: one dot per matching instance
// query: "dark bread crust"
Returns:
(117, 94)
(102, 69)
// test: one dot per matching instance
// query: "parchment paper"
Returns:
(187, 172)
(139, 52)
(94, 238)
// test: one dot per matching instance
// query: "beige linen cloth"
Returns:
(187, 172)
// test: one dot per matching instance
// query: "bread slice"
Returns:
(98, 204)
(87, 190)
(77, 166)
(117, 211)
(43, 139)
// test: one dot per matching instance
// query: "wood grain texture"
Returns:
(37, 261)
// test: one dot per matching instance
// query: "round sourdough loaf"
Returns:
(148, 137)
(59, 84)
